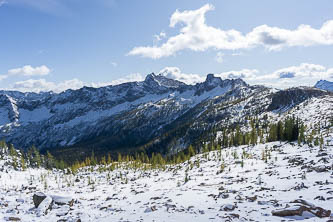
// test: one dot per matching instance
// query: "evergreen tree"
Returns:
(23, 165)
(50, 161)
(93, 160)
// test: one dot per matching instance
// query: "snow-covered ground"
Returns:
(269, 178)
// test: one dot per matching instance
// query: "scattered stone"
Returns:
(228, 207)
(252, 199)
(223, 195)
(13, 219)
(320, 198)
(322, 154)
(150, 209)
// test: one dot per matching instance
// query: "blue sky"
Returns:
(60, 44)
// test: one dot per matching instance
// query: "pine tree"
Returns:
(50, 161)
(119, 157)
(93, 159)
(109, 159)
(191, 151)
(279, 132)
(23, 165)
(36, 160)
(254, 136)
(12, 151)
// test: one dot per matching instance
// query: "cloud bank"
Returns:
(42, 85)
(304, 74)
(27, 70)
(196, 35)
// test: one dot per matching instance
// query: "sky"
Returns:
(60, 44)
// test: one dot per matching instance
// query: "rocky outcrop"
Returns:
(299, 207)
(285, 99)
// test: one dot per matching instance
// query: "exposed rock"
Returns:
(301, 207)
(228, 207)
(63, 200)
(290, 211)
(252, 199)
(321, 168)
(223, 195)
(13, 219)
(150, 209)
(38, 198)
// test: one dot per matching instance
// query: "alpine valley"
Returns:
(162, 150)
(156, 115)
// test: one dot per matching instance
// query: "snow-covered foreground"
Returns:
(244, 191)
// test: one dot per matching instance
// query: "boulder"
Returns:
(301, 207)
(59, 200)
(320, 169)
(227, 207)
(252, 199)
(223, 195)
(45, 205)
(38, 198)
(290, 211)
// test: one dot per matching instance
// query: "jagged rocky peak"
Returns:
(160, 80)
(212, 80)
(324, 85)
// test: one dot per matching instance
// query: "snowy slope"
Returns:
(249, 193)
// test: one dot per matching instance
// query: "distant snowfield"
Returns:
(248, 193)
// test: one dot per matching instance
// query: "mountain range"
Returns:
(156, 115)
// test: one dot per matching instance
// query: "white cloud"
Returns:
(42, 85)
(196, 35)
(219, 57)
(243, 74)
(160, 36)
(27, 70)
(303, 75)
(175, 73)
(30, 71)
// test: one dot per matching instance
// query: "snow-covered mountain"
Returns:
(325, 85)
(159, 114)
